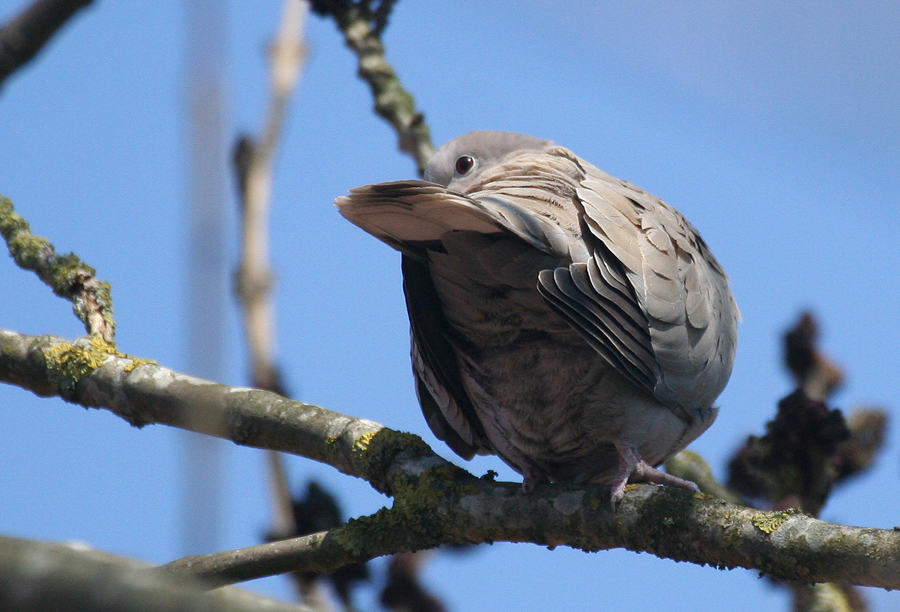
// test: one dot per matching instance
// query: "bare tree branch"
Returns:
(28, 32)
(436, 502)
(254, 165)
(86, 373)
(67, 275)
(254, 161)
(362, 25)
(666, 522)
(48, 577)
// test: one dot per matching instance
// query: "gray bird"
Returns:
(561, 318)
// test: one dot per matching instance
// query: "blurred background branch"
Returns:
(254, 166)
(48, 577)
(254, 161)
(807, 451)
(22, 37)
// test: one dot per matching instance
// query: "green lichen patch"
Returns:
(767, 522)
(374, 452)
(68, 363)
(415, 521)
(11, 223)
(388, 530)
(663, 522)
(433, 486)
(135, 361)
(361, 444)
(731, 534)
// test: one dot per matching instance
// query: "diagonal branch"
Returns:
(48, 576)
(67, 275)
(362, 25)
(142, 393)
(436, 502)
(23, 36)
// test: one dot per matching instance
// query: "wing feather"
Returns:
(690, 312)
(444, 401)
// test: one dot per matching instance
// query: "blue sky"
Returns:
(773, 126)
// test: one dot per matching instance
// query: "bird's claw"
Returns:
(633, 468)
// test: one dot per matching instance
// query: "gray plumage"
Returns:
(564, 319)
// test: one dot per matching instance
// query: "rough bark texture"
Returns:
(48, 577)
(434, 501)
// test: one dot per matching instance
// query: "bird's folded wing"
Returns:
(677, 284)
(603, 310)
(643, 288)
(445, 403)
(597, 289)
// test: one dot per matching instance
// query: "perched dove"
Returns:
(563, 319)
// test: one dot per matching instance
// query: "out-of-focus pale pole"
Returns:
(207, 276)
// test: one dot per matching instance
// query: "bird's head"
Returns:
(459, 163)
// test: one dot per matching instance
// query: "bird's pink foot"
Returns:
(533, 477)
(633, 468)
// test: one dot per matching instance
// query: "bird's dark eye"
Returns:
(464, 164)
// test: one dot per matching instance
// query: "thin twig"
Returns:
(254, 163)
(25, 35)
(67, 275)
(255, 168)
(280, 496)
(362, 26)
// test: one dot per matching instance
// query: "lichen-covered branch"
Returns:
(25, 34)
(362, 22)
(441, 506)
(94, 375)
(67, 275)
(42, 576)
(434, 501)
